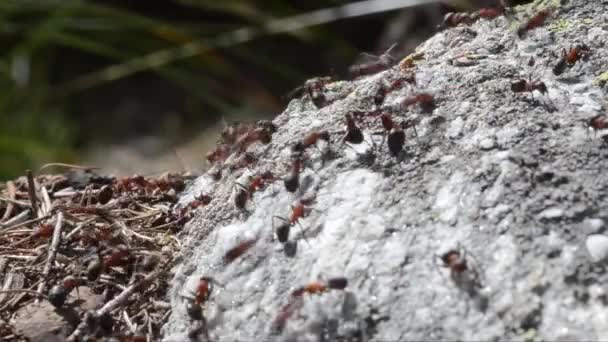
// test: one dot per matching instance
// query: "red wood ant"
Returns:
(238, 250)
(396, 133)
(397, 84)
(297, 212)
(535, 21)
(310, 140)
(425, 100)
(597, 122)
(521, 86)
(353, 134)
(310, 87)
(383, 62)
(570, 57)
(465, 277)
(285, 313)
(295, 300)
(204, 288)
(491, 12)
(59, 293)
(118, 257)
(200, 200)
(292, 181)
(453, 19)
(259, 182)
(218, 154)
(318, 287)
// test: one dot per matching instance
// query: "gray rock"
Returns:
(514, 210)
(597, 246)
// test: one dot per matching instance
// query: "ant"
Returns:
(292, 181)
(218, 154)
(353, 134)
(425, 100)
(297, 212)
(396, 133)
(383, 62)
(597, 122)
(570, 57)
(397, 84)
(200, 200)
(318, 287)
(464, 277)
(310, 140)
(260, 134)
(295, 301)
(259, 182)
(204, 288)
(535, 21)
(244, 160)
(491, 12)
(453, 19)
(238, 250)
(59, 293)
(521, 86)
(310, 87)
(119, 256)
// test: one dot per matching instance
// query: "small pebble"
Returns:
(486, 144)
(597, 246)
(551, 213)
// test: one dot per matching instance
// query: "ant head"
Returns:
(542, 88)
(324, 135)
(450, 257)
(518, 86)
(298, 147)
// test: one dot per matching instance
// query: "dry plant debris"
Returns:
(81, 234)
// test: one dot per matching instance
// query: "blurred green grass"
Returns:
(55, 53)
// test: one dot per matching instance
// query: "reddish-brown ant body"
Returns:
(318, 287)
(310, 87)
(521, 86)
(295, 300)
(353, 134)
(259, 182)
(465, 277)
(453, 19)
(204, 288)
(59, 293)
(535, 21)
(218, 154)
(425, 100)
(570, 57)
(238, 250)
(598, 122)
(383, 62)
(292, 181)
(396, 135)
(397, 84)
(297, 212)
(310, 140)
(118, 257)
(491, 12)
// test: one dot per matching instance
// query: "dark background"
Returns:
(59, 102)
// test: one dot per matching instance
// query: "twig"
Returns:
(13, 202)
(52, 252)
(70, 166)
(12, 224)
(32, 292)
(31, 188)
(10, 186)
(78, 228)
(46, 200)
(114, 303)
(125, 316)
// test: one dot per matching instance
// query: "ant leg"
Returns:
(273, 228)
(303, 233)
